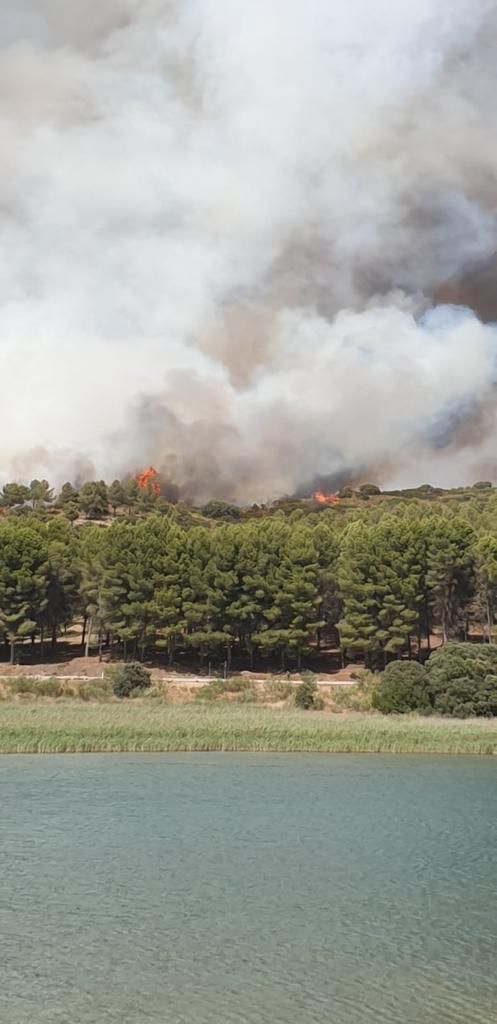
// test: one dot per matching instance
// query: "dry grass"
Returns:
(64, 727)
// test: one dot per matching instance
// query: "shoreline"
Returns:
(139, 727)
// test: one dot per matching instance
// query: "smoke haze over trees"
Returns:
(240, 240)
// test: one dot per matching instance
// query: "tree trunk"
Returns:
(54, 638)
(427, 623)
(42, 642)
(12, 652)
(100, 642)
(88, 638)
(125, 650)
(249, 647)
(83, 635)
(489, 622)
(170, 650)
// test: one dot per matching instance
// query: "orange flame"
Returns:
(147, 481)
(326, 499)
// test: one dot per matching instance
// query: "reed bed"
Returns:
(67, 727)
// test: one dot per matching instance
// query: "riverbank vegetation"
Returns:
(72, 728)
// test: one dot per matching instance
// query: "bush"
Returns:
(36, 687)
(463, 679)
(209, 692)
(369, 489)
(403, 687)
(459, 661)
(359, 697)
(276, 691)
(21, 684)
(98, 690)
(306, 694)
(483, 485)
(221, 510)
(129, 680)
(243, 688)
(465, 698)
(459, 680)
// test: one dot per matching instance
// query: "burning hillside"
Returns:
(325, 499)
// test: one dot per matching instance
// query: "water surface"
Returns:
(211, 889)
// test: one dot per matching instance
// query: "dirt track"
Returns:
(91, 668)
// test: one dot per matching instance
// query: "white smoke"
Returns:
(222, 228)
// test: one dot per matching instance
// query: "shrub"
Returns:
(306, 694)
(209, 692)
(237, 684)
(49, 688)
(35, 687)
(98, 689)
(21, 684)
(359, 697)
(129, 679)
(369, 489)
(221, 510)
(483, 485)
(467, 697)
(463, 680)
(276, 690)
(243, 688)
(403, 687)
(460, 661)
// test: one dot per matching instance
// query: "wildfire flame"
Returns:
(326, 499)
(147, 480)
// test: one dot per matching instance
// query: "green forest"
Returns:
(292, 586)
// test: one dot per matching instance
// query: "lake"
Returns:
(248, 889)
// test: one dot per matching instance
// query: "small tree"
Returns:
(117, 495)
(306, 693)
(128, 678)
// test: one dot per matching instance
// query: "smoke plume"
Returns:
(252, 243)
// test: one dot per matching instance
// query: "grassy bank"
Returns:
(78, 728)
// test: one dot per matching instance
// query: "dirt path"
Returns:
(91, 668)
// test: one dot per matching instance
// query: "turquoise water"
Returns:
(211, 889)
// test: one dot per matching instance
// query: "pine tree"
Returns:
(93, 499)
(486, 582)
(117, 495)
(451, 572)
(23, 581)
(41, 494)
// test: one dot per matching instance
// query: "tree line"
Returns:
(270, 590)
